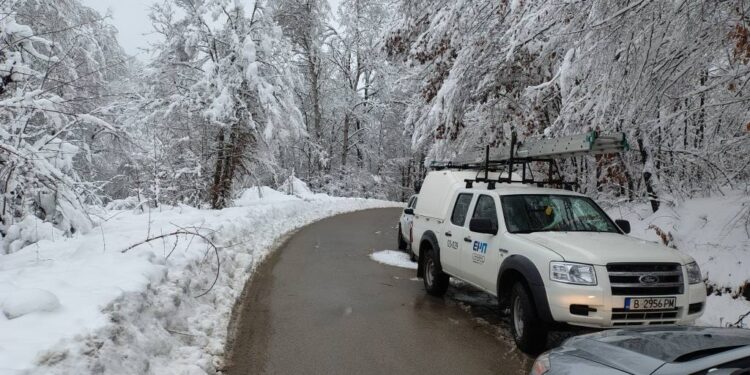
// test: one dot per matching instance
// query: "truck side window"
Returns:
(485, 209)
(414, 203)
(461, 209)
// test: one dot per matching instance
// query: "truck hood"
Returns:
(602, 248)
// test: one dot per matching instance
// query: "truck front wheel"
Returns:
(435, 280)
(529, 332)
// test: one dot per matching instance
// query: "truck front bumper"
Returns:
(595, 306)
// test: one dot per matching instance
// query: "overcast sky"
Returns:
(131, 19)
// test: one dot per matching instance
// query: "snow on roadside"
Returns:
(79, 305)
(396, 258)
(723, 310)
(715, 232)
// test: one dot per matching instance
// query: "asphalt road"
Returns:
(320, 305)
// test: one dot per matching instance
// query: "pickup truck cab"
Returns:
(550, 256)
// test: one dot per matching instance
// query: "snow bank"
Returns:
(724, 310)
(263, 194)
(23, 302)
(395, 258)
(80, 305)
(298, 188)
(712, 230)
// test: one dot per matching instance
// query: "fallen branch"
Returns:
(738, 323)
(185, 232)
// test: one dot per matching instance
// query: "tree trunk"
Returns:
(360, 155)
(345, 142)
(315, 93)
(228, 160)
(653, 198)
(702, 114)
(218, 170)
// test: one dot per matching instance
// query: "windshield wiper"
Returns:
(527, 231)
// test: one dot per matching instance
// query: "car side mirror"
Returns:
(624, 225)
(409, 211)
(483, 225)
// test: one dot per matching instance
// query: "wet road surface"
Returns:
(320, 305)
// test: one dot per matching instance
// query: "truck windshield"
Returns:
(554, 213)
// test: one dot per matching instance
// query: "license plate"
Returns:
(650, 303)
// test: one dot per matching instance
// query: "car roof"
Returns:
(645, 349)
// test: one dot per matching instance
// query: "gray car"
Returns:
(663, 350)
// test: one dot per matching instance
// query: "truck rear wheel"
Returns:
(529, 332)
(401, 241)
(435, 280)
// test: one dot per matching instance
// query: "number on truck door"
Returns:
(454, 234)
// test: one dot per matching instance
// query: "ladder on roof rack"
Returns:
(535, 150)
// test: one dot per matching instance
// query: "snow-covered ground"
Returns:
(716, 232)
(396, 258)
(80, 305)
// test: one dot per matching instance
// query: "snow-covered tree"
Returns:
(370, 146)
(51, 84)
(668, 74)
(306, 24)
(224, 76)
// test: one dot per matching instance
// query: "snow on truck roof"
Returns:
(438, 189)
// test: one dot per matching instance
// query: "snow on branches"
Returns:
(224, 69)
(671, 75)
(39, 130)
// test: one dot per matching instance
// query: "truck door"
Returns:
(455, 231)
(480, 258)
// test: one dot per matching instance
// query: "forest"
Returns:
(357, 101)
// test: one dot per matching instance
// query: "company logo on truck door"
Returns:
(480, 248)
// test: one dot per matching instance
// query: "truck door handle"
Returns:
(448, 234)
(467, 239)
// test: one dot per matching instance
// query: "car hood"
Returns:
(643, 350)
(602, 248)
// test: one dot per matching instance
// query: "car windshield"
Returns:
(554, 213)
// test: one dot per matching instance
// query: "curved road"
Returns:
(320, 305)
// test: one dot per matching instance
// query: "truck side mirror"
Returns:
(483, 225)
(624, 225)
(409, 211)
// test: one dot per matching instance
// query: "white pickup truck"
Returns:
(550, 256)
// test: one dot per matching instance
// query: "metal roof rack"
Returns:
(533, 150)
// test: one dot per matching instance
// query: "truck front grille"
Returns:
(645, 279)
(655, 323)
(622, 314)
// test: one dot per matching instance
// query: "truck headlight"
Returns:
(572, 273)
(694, 273)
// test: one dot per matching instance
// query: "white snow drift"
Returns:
(394, 258)
(80, 305)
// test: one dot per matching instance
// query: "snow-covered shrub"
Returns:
(128, 203)
(28, 231)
